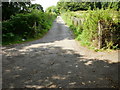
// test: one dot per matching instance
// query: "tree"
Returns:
(12, 8)
(52, 9)
(37, 6)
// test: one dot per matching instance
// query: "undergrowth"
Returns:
(87, 33)
(25, 27)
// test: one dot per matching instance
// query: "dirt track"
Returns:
(57, 61)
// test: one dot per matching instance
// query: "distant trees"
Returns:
(37, 6)
(75, 6)
(52, 9)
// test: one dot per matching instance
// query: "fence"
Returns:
(77, 21)
(105, 32)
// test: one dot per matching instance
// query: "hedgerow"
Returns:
(87, 33)
(26, 26)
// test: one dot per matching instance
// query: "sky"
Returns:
(46, 3)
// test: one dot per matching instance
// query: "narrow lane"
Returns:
(55, 62)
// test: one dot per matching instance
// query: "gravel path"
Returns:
(56, 61)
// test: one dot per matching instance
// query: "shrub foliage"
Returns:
(25, 26)
(87, 32)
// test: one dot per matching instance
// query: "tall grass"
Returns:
(87, 33)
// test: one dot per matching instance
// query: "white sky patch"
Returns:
(46, 3)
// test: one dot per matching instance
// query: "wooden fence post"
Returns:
(75, 21)
(100, 28)
(82, 20)
(35, 25)
(79, 21)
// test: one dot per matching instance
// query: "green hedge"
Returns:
(26, 26)
(88, 32)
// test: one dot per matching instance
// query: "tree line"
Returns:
(63, 6)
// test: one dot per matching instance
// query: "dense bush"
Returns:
(25, 26)
(87, 33)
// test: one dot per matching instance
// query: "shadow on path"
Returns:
(54, 67)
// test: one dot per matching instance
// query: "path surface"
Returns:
(55, 61)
